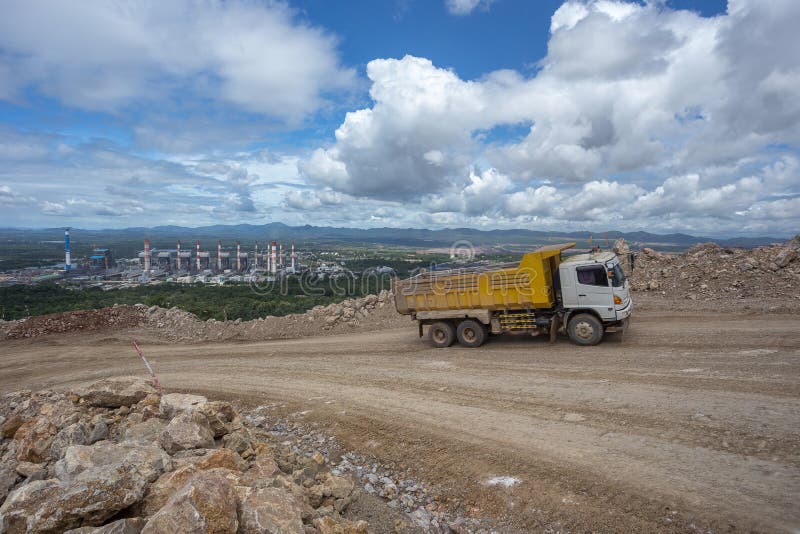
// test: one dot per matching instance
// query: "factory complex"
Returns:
(182, 264)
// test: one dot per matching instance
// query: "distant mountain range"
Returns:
(412, 237)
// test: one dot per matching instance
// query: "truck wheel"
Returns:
(441, 334)
(585, 329)
(471, 333)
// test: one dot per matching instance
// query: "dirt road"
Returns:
(692, 422)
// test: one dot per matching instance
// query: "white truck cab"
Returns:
(595, 283)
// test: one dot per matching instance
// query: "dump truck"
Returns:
(584, 296)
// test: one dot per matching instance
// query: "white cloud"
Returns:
(465, 7)
(639, 114)
(107, 56)
(310, 200)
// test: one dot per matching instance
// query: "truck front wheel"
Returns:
(441, 334)
(471, 333)
(585, 329)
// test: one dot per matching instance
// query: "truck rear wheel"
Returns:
(471, 333)
(585, 329)
(441, 334)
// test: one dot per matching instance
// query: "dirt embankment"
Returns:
(351, 315)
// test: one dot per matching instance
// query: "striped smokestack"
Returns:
(147, 255)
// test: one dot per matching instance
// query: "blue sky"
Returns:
(586, 114)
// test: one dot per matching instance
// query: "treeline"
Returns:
(239, 301)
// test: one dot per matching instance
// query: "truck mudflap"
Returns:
(554, 325)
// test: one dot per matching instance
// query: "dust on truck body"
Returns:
(585, 296)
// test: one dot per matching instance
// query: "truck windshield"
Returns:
(617, 276)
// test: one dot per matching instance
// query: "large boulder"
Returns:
(262, 472)
(219, 414)
(174, 403)
(149, 460)
(167, 484)
(34, 439)
(116, 392)
(338, 487)
(219, 458)
(131, 525)
(94, 484)
(206, 503)
(8, 470)
(32, 508)
(10, 426)
(162, 489)
(74, 434)
(270, 510)
(189, 430)
(149, 430)
(329, 525)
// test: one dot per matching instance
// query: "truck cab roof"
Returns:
(591, 257)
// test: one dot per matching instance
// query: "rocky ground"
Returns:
(118, 456)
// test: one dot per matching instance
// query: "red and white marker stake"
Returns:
(147, 364)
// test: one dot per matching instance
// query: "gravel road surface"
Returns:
(692, 421)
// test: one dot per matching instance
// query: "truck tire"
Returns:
(441, 334)
(471, 333)
(585, 329)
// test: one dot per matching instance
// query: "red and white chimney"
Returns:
(255, 256)
(198, 256)
(238, 257)
(274, 258)
(293, 256)
(219, 255)
(178, 259)
(147, 255)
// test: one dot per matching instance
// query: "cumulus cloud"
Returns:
(107, 55)
(637, 111)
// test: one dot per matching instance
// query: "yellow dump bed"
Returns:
(514, 287)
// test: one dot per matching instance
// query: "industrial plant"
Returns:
(182, 264)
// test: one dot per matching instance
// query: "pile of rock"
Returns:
(117, 456)
(708, 271)
(75, 321)
(419, 507)
(351, 311)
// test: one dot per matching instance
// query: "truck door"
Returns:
(594, 290)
